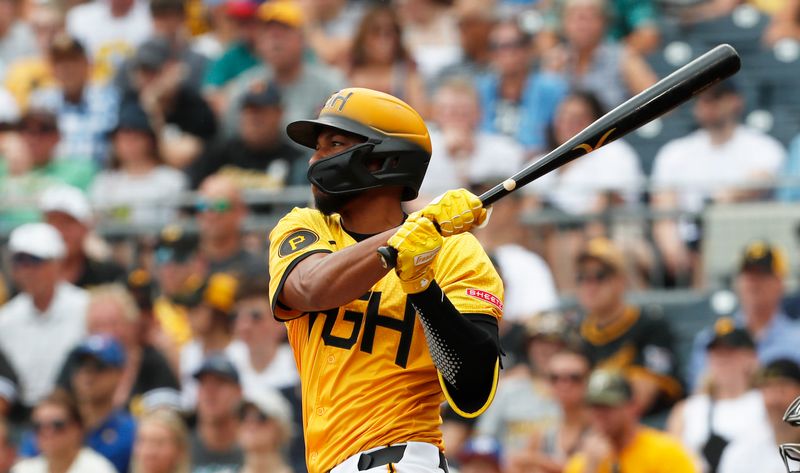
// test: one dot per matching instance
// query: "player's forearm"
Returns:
(324, 281)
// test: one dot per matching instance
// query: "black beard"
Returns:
(330, 204)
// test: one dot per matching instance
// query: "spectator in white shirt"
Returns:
(46, 319)
(709, 165)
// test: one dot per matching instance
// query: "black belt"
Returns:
(387, 455)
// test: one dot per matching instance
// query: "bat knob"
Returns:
(388, 256)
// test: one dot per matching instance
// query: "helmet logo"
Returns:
(340, 99)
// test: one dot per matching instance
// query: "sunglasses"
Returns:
(93, 366)
(24, 259)
(594, 276)
(39, 130)
(572, 378)
(501, 45)
(57, 426)
(217, 206)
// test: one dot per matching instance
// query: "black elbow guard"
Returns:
(464, 348)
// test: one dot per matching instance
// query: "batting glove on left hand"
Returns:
(455, 212)
(417, 243)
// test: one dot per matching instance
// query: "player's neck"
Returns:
(372, 213)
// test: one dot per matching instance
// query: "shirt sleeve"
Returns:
(468, 278)
(297, 236)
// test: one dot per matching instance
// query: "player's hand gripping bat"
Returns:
(680, 86)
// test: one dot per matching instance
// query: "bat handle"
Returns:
(388, 256)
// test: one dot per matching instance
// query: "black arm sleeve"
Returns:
(464, 348)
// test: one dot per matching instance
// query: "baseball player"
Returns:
(378, 351)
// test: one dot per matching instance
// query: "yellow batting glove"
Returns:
(417, 243)
(455, 212)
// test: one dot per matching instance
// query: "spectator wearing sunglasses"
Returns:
(622, 336)
(47, 318)
(59, 429)
(264, 432)
(109, 430)
(162, 444)
(221, 212)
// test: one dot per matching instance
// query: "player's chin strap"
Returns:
(465, 350)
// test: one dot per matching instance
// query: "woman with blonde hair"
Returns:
(162, 444)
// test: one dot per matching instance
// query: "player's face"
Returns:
(331, 142)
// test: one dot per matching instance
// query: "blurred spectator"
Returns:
(67, 209)
(618, 335)
(475, 22)
(523, 404)
(257, 156)
(109, 430)
(634, 22)
(162, 444)
(462, 153)
(791, 170)
(28, 74)
(785, 22)
(169, 22)
(269, 363)
(179, 274)
(48, 316)
(43, 167)
(583, 187)
(8, 451)
(211, 318)
(111, 30)
(614, 73)
(16, 37)
(617, 441)
(431, 34)
(547, 451)
(9, 393)
(729, 413)
(234, 36)
(708, 165)
(138, 187)
(214, 443)
(221, 214)
(146, 380)
(480, 455)
(264, 432)
(86, 111)
(779, 383)
(279, 45)
(59, 431)
(161, 84)
(330, 25)
(9, 110)
(380, 61)
(516, 100)
(759, 287)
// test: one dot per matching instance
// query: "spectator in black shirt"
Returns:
(257, 156)
(68, 210)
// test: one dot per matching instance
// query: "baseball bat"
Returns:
(717, 64)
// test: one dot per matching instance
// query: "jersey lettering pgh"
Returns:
(367, 377)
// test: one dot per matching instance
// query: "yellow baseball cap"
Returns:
(603, 250)
(285, 12)
(765, 257)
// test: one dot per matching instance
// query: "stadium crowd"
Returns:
(153, 349)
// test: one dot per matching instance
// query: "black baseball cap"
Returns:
(153, 54)
(175, 245)
(262, 95)
(782, 368)
(764, 257)
(218, 364)
(608, 388)
(727, 334)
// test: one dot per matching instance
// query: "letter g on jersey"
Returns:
(296, 242)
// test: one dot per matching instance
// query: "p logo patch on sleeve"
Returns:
(296, 242)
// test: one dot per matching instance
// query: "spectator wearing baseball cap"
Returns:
(618, 442)
(759, 285)
(68, 210)
(86, 110)
(214, 441)
(779, 382)
(482, 454)
(280, 44)
(264, 432)
(257, 156)
(47, 317)
(615, 333)
(727, 414)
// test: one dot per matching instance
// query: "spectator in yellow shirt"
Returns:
(618, 443)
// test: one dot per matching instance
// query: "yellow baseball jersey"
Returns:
(366, 374)
(651, 451)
